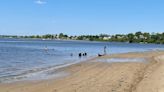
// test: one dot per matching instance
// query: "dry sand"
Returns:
(92, 76)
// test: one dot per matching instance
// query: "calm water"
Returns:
(28, 59)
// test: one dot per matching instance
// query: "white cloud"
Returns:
(40, 2)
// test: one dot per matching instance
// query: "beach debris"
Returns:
(100, 55)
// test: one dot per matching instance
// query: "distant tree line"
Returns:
(138, 37)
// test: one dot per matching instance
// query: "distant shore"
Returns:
(98, 75)
(137, 37)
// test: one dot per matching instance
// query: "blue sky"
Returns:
(77, 17)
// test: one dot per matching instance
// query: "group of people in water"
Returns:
(83, 54)
(80, 54)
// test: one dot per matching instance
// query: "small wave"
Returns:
(36, 73)
(110, 60)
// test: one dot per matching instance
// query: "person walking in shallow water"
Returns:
(46, 49)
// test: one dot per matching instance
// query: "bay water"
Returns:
(25, 59)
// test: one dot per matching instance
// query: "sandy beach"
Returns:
(94, 75)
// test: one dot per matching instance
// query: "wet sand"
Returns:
(94, 76)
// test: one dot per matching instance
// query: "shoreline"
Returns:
(57, 71)
(89, 76)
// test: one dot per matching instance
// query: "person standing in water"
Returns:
(71, 54)
(105, 50)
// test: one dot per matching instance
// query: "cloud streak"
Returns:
(40, 2)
